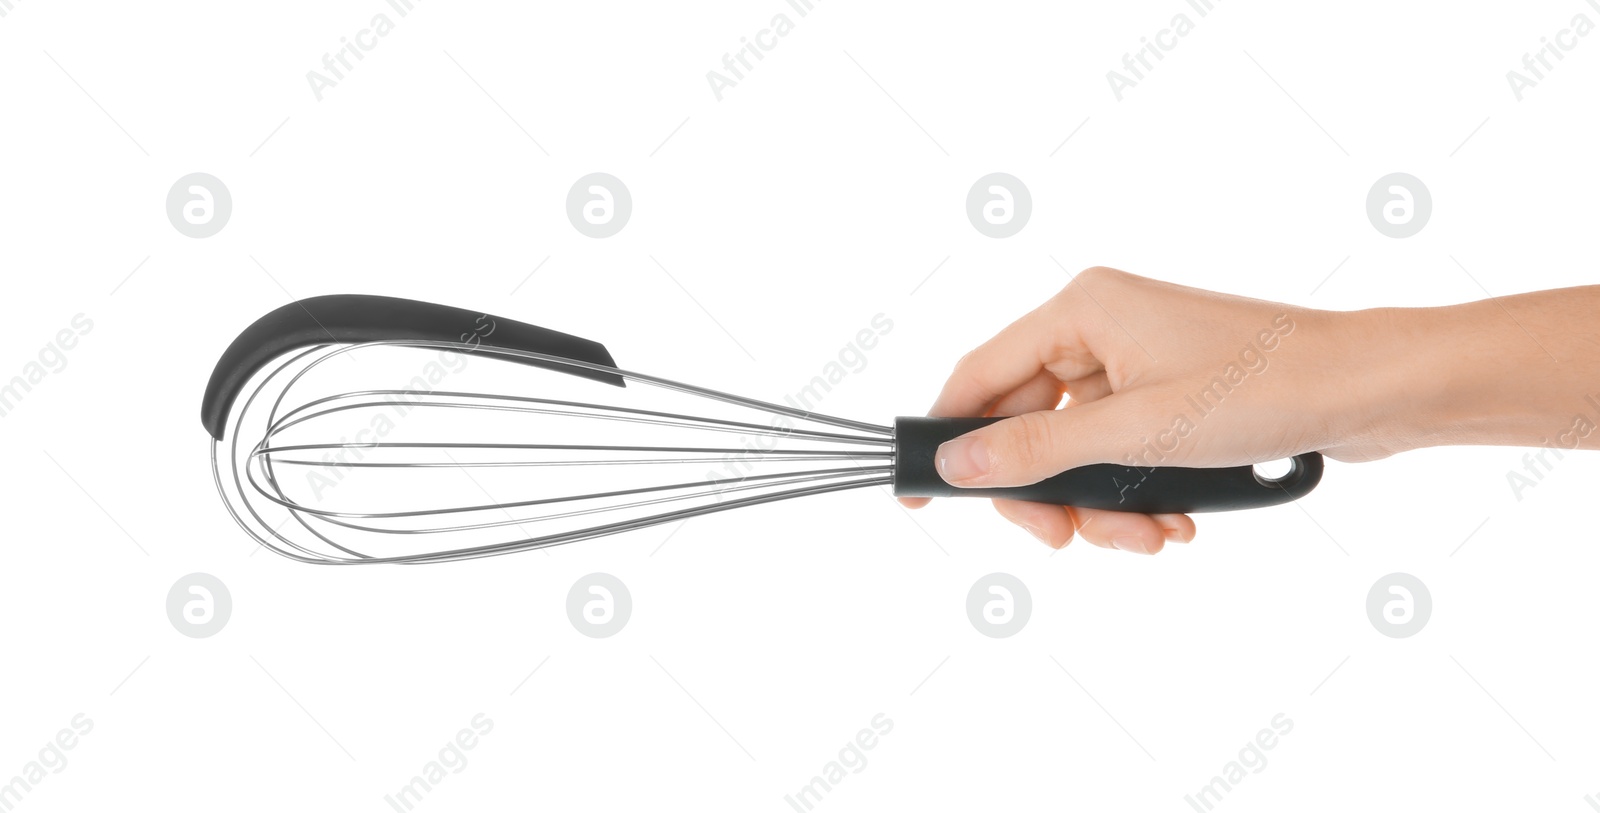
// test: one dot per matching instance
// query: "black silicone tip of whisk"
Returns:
(356, 318)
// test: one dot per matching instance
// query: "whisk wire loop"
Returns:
(248, 474)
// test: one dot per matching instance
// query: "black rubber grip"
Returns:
(356, 318)
(1109, 486)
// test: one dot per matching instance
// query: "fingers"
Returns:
(1089, 388)
(1040, 393)
(1010, 360)
(1134, 533)
(1055, 525)
(1030, 447)
(1043, 391)
(1176, 527)
(1050, 524)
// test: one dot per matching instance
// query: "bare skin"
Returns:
(1130, 358)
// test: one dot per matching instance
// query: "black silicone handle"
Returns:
(1145, 490)
(355, 318)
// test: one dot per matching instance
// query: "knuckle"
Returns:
(1099, 280)
(962, 365)
(1005, 510)
(1102, 275)
(1098, 277)
(1032, 441)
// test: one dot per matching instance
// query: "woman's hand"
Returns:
(1163, 375)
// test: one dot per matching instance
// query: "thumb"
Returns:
(1031, 447)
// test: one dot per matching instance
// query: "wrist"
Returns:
(1445, 376)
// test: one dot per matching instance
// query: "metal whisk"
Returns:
(377, 430)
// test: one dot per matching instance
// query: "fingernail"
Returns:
(1037, 533)
(1131, 544)
(1171, 526)
(963, 459)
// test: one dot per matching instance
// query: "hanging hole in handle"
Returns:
(1276, 473)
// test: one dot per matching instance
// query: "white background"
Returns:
(790, 212)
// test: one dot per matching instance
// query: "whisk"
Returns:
(370, 429)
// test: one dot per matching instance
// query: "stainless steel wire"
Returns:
(860, 455)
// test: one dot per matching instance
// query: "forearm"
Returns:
(1518, 371)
